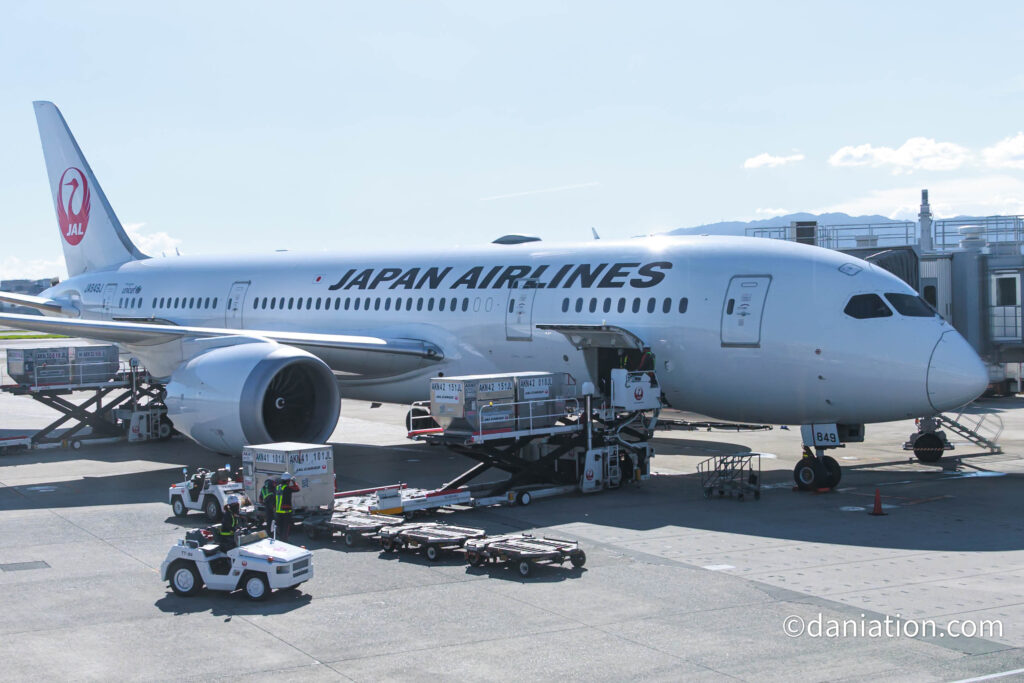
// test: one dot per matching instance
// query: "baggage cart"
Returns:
(432, 537)
(351, 524)
(524, 550)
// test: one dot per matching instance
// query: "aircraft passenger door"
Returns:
(519, 311)
(236, 300)
(108, 298)
(743, 310)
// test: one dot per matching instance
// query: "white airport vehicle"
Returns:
(257, 565)
(260, 349)
(204, 490)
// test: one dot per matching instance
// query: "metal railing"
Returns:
(994, 229)
(70, 374)
(849, 235)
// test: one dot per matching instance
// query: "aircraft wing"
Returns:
(146, 334)
(38, 303)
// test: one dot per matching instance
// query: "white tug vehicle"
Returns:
(205, 490)
(257, 565)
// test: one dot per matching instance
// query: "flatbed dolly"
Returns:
(432, 537)
(351, 524)
(524, 549)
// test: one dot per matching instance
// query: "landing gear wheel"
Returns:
(388, 544)
(928, 447)
(432, 553)
(834, 471)
(211, 509)
(185, 579)
(578, 559)
(524, 498)
(178, 507)
(256, 587)
(474, 558)
(525, 567)
(349, 538)
(808, 474)
(164, 431)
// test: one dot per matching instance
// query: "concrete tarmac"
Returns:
(675, 586)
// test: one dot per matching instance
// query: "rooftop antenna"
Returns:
(594, 230)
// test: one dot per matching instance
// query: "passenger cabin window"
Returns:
(683, 303)
(910, 305)
(863, 306)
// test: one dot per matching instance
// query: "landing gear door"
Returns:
(519, 312)
(236, 299)
(743, 310)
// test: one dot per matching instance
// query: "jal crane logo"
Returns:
(73, 202)
(638, 394)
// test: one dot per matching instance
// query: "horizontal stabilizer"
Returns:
(39, 303)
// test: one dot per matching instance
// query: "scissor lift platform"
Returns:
(525, 550)
(432, 537)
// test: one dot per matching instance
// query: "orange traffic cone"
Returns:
(877, 512)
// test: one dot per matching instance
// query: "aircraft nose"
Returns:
(956, 375)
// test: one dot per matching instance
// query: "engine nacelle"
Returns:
(251, 393)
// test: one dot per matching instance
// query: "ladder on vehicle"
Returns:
(981, 429)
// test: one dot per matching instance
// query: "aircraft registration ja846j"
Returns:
(258, 349)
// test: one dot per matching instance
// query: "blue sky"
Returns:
(227, 127)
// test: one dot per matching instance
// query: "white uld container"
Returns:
(540, 398)
(312, 465)
(473, 403)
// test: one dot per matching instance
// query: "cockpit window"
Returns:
(910, 305)
(863, 306)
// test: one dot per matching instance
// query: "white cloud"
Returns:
(986, 196)
(772, 212)
(153, 244)
(765, 159)
(914, 154)
(14, 268)
(1007, 153)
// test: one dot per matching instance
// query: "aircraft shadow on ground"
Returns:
(932, 511)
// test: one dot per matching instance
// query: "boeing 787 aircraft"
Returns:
(254, 349)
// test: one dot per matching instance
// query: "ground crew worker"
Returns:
(266, 498)
(283, 506)
(646, 364)
(229, 523)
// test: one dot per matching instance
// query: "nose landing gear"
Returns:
(817, 471)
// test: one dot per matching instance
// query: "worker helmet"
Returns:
(232, 502)
(287, 476)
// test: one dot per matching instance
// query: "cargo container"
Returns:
(63, 365)
(312, 466)
(474, 403)
(93, 364)
(540, 398)
(39, 366)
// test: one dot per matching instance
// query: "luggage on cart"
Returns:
(432, 537)
(525, 550)
(738, 473)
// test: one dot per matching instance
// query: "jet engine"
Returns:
(259, 392)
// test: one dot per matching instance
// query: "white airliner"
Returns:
(256, 349)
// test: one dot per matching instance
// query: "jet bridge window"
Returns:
(910, 305)
(863, 306)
